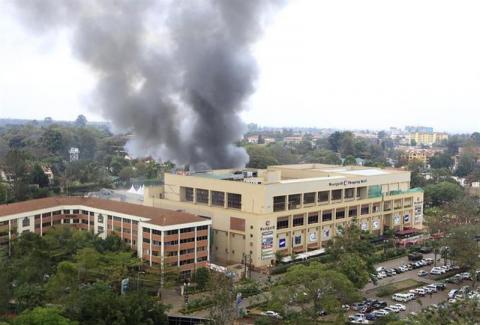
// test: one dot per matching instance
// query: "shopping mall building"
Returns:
(289, 208)
(162, 237)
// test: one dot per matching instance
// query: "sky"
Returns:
(327, 64)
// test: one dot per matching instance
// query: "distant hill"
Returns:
(46, 122)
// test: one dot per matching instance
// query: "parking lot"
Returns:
(419, 303)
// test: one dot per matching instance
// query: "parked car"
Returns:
(379, 304)
(421, 292)
(440, 286)
(400, 307)
(452, 293)
(422, 273)
(415, 256)
(270, 313)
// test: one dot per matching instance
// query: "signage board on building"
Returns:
(267, 245)
(282, 243)
(312, 236)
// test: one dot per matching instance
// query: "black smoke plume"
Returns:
(174, 73)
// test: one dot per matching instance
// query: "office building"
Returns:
(160, 237)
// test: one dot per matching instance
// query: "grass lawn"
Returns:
(392, 288)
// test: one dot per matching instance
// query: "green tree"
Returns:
(349, 160)
(38, 176)
(81, 121)
(442, 193)
(202, 277)
(462, 242)
(42, 316)
(260, 157)
(466, 165)
(441, 160)
(355, 268)
(312, 288)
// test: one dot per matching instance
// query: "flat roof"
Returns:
(157, 216)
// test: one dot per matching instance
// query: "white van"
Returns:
(403, 297)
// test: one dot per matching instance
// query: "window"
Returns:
(66, 211)
(365, 209)
(184, 230)
(323, 196)
(202, 227)
(336, 195)
(201, 196)
(66, 221)
(37, 217)
(171, 243)
(294, 201)
(349, 193)
(145, 229)
(201, 259)
(156, 232)
(26, 222)
(188, 194)
(340, 214)
(187, 240)
(46, 214)
(218, 198)
(100, 218)
(146, 240)
(92, 214)
(201, 238)
(85, 212)
(56, 213)
(297, 239)
(76, 211)
(312, 218)
(298, 220)
(172, 232)
(352, 212)
(117, 219)
(279, 203)
(327, 215)
(126, 220)
(309, 198)
(187, 251)
(234, 200)
(85, 221)
(282, 223)
(173, 253)
(189, 261)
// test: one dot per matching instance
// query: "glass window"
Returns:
(323, 196)
(336, 195)
(294, 201)
(234, 200)
(340, 214)
(349, 193)
(282, 223)
(279, 203)
(188, 194)
(309, 198)
(327, 215)
(201, 195)
(218, 198)
(352, 212)
(313, 218)
(298, 220)
(365, 209)
(26, 222)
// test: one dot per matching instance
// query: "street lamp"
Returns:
(138, 278)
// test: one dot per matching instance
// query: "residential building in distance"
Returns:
(423, 155)
(420, 129)
(290, 208)
(426, 138)
(74, 154)
(160, 237)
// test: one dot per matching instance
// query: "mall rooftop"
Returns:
(296, 173)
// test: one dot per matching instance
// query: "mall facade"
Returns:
(160, 237)
(290, 209)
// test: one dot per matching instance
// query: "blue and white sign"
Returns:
(406, 218)
(282, 243)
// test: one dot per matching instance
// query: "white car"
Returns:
(452, 293)
(400, 307)
(393, 308)
(271, 313)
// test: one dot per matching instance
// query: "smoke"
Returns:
(174, 73)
